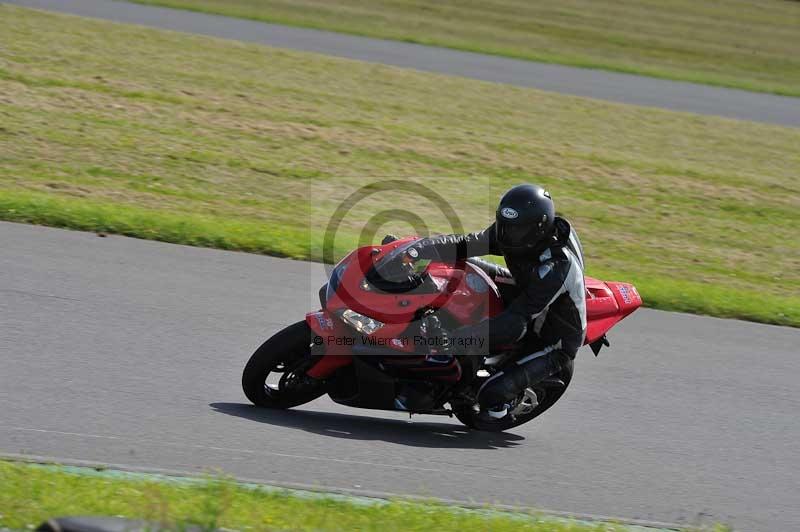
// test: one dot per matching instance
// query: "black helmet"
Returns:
(524, 219)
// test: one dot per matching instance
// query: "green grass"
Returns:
(195, 140)
(31, 494)
(747, 44)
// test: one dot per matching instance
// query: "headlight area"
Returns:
(361, 323)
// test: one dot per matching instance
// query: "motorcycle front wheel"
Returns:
(547, 397)
(287, 353)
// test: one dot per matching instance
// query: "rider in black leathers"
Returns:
(543, 288)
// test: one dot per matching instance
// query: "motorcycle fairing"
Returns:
(369, 388)
(607, 303)
(324, 327)
(442, 286)
(465, 292)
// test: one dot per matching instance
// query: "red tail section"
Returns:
(606, 304)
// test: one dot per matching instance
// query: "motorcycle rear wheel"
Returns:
(287, 352)
(547, 398)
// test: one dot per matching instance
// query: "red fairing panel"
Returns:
(471, 295)
(606, 305)
(327, 329)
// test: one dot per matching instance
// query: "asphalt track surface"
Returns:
(624, 88)
(129, 352)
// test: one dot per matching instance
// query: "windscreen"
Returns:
(397, 272)
(335, 279)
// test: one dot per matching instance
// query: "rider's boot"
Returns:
(528, 371)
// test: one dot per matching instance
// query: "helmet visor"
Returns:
(517, 235)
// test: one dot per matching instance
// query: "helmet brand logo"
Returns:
(508, 212)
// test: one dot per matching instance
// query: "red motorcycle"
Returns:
(370, 339)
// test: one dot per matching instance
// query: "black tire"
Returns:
(547, 399)
(287, 351)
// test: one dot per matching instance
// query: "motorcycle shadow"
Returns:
(356, 427)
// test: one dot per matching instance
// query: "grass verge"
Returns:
(195, 140)
(747, 44)
(32, 494)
